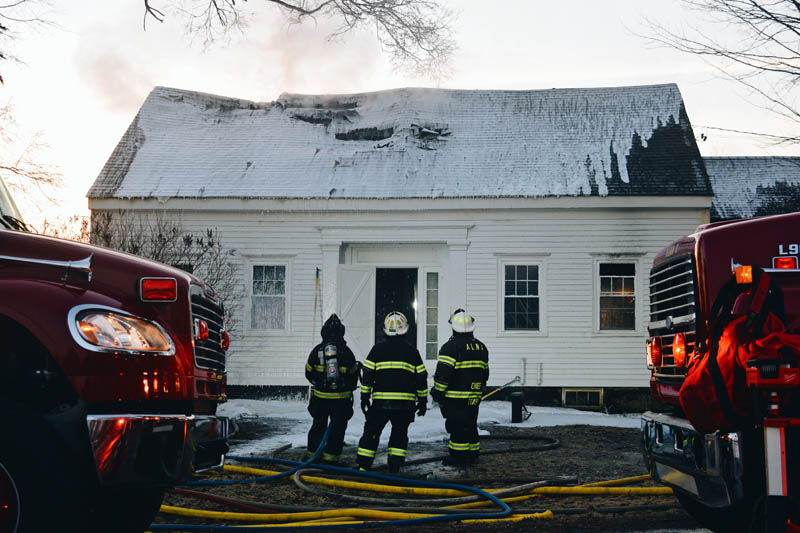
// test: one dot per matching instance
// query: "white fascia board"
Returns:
(401, 204)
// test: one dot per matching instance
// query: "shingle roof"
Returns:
(409, 143)
(753, 186)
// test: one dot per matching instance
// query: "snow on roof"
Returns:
(408, 143)
(753, 186)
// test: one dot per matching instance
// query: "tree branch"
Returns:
(415, 33)
(765, 57)
(153, 12)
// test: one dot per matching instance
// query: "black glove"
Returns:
(437, 395)
(422, 407)
(365, 405)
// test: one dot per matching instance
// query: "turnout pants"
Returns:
(398, 440)
(461, 421)
(337, 412)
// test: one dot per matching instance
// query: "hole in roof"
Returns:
(366, 134)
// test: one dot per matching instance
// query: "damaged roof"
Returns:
(409, 143)
(747, 187)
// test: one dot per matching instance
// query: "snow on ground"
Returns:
(290, 422)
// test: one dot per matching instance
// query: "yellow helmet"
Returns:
(461, 322)
(395, 323)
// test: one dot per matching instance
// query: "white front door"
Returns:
(356, 307)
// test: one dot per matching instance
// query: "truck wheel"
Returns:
(126, 510)
(9, 501)
(735, 519)
(39, 479)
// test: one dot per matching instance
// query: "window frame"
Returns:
(637, 293)
(284, 261)
(538, 260)
(424, 274)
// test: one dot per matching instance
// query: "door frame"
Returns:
(425, 257)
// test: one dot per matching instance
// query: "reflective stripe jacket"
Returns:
(394, 376)
(348, 372)
(462, 370)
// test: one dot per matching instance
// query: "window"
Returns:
(268, 300)
(521, 297)
(617, 296)
(431, 315)
(582, 398)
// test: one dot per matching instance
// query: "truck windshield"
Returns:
(9, 214)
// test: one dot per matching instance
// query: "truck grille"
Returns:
(208, 354)
(672, 294)
(672, 309)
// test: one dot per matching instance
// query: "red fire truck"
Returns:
(111, 371)
(747, 479)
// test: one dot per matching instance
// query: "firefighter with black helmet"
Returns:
(461, 375)
(333, 371)
(394, 378)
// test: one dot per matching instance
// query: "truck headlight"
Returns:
(106, 329)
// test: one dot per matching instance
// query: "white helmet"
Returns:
(461, 322)
(395, 323)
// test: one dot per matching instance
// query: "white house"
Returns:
(538, 211)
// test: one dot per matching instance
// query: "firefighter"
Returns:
(461, 375)
(394, 377)
(332, 369)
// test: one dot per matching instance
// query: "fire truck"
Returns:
(111, 371)
(748, 478)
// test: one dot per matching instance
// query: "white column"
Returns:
(330, 265)
(457, 275)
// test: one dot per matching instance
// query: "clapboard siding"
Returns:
(571, 352)
(567, 242)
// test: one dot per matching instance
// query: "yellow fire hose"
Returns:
(599, 488)
(652, 491)
(318, 517)
(622, 481)
(392, 489)
(301, 516)
(351, 516)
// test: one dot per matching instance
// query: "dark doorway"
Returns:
(396, 290)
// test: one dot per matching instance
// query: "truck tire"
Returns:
(128, 510)
(9, 501)
(40, 475)
(735, 519)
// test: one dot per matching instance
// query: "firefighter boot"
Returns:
(395, 462)
(451, 460)
(364, 463)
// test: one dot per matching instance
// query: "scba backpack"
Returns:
(714, 396)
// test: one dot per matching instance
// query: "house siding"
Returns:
(569, 352)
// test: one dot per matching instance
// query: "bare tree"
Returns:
(75, 228)
(162, 238)
(20, 166)
(759, 47)
(417, 34)
(20, 163)
(15, 14)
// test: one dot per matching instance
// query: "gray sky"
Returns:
(83, 82)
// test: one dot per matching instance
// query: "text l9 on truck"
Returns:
(748, 478)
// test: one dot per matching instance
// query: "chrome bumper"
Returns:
(709, 467)
(155, 449)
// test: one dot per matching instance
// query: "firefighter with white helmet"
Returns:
(333, 371)
(461, 375)
(393, 386)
